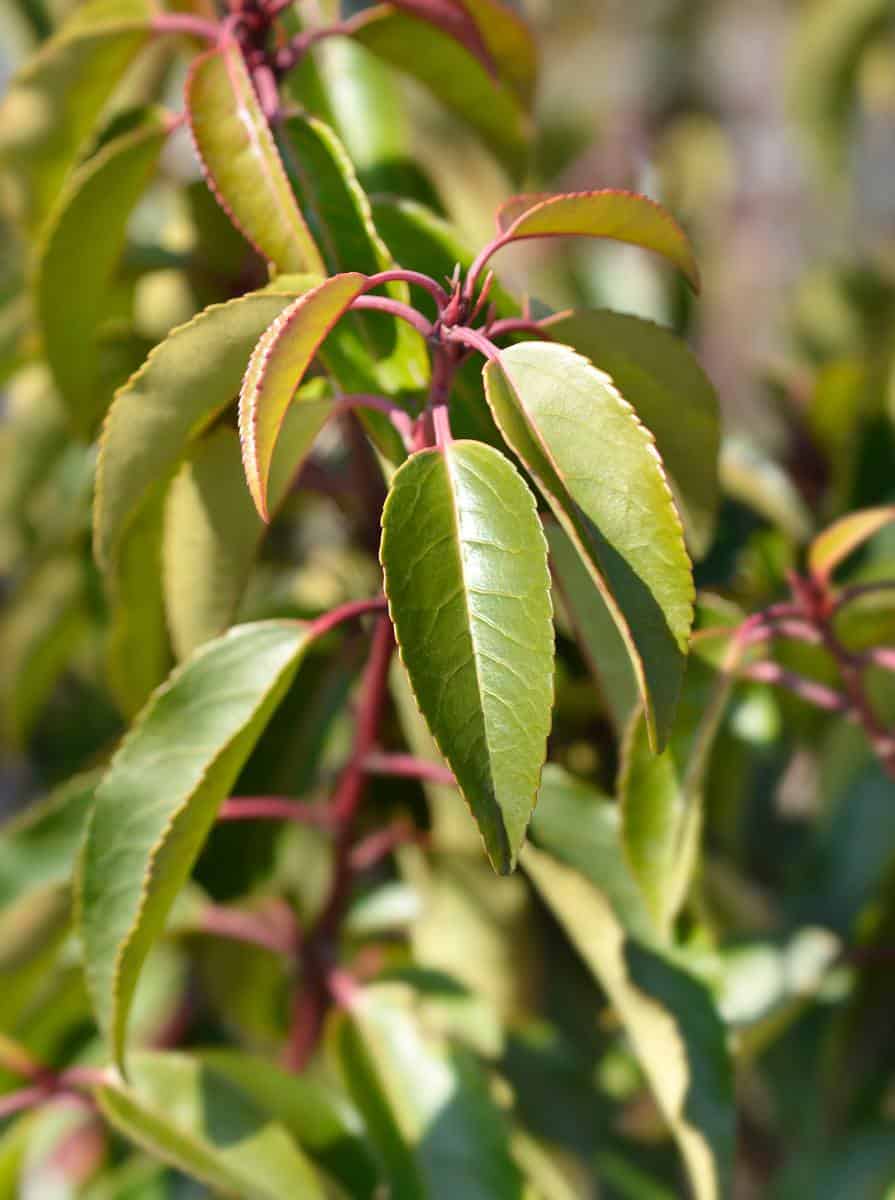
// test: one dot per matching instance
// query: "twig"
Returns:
(405, 766)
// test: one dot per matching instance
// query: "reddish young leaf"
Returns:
(621, 216)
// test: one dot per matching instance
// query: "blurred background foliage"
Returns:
(768, 128)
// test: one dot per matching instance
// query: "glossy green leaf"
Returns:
(338, 212)
(334, 204)
(184, 383)
(276, 369)
(159, 797)
(658, 374)
(212, 531)
(454, 75)
(54, 102)
(599, 468)
(594, 627)
(844, 536)
(661, 796)
(38, 847)
(321, 1119)
(183, 1111)
(621, 216)
(468, 589)
(93, 211)
(428, 1110)
(240, 159)
(668, 1016)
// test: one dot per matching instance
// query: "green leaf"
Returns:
(212, 531)
(54, 102)
(158, 800)
(621, 216)
(454, 75)
(322, 1120)
(510, 42)
(276, 369)
(594, 628)
(192, 1116)
(669, 1018)
(37, 849)
(182, 386)
(138, 656)
(93, 213)
(428, 1109)
(661, 796)
(334, 204)
(466, 578)
(844, 536)
(240, 159)
(338, 212)
(603, 477)
(659, 375)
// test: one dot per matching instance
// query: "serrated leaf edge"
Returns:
(265, 136)
(114, 1032)
(602, 585)
(104, 558)
(254, 377)
(690, 270)
(512, 858)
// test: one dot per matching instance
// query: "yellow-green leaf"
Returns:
(621, 216)
(78, 257)
(844, 536)
(237, 150)
(276, 369)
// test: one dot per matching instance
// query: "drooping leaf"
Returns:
(38, 847)
(54, 102)
(454, 19)
(466, 579)
(82, 246)
(187, 1113)
(184, 383)
(669, 1017)
(621, 216)
(594, 627)
(240, 159)
(600, 471)
(428, 1109)
(660, 796)
(453, 74)
(159, 797)
(212, 531)
(661, 378)
(510, 42)
(275, 371)
(844, 536)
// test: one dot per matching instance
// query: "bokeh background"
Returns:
(768, 128)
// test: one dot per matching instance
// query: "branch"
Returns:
(405, 766)
(275, 808)
(175, 23)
